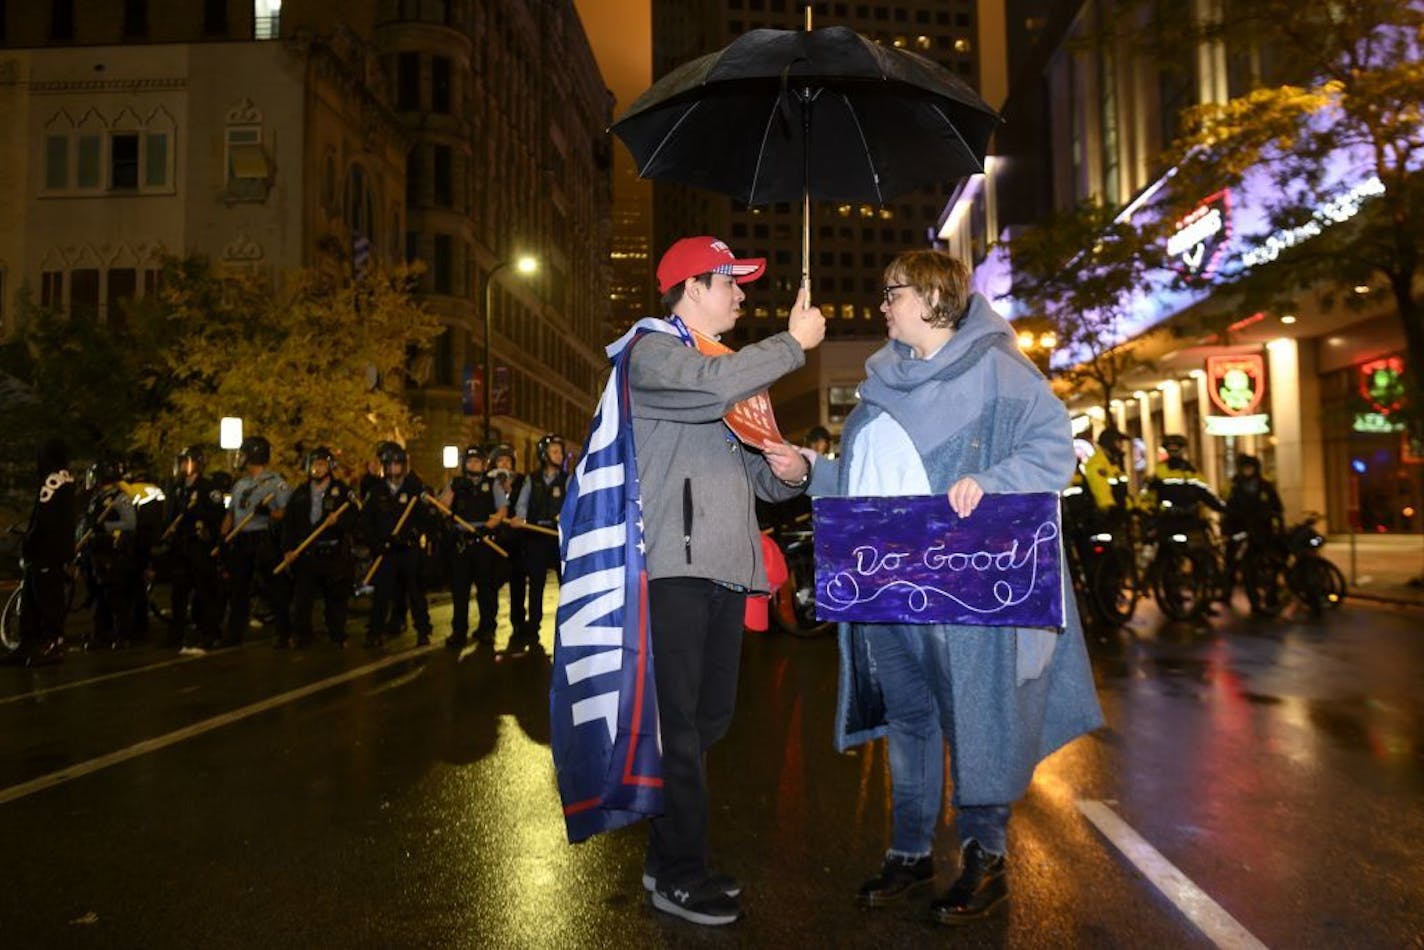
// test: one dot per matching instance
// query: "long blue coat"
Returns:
(979, 408)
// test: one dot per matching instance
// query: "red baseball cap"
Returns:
(700, 255)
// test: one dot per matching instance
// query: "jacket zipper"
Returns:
(687, 518)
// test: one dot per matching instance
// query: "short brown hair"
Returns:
(941, 280)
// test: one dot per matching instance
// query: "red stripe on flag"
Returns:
(584, 805)
(629, 778)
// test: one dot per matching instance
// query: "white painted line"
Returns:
(1207, 915)
(90, 766)
(100, 679)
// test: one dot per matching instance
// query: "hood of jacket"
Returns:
(917, 391)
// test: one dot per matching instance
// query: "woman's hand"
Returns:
(964, 496)
(786, 462)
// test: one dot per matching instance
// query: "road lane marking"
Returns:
(1207, 915)
(105, 677)
(90, 766)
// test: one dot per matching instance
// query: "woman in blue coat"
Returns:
(950, 406)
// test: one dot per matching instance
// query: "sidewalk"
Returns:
(1384, 565)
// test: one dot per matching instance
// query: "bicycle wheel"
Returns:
(1113, 587)
(1184, 584)
(1265, 580)
(1335, 595)
(793, 606)
(10, 621)
(1311, 581)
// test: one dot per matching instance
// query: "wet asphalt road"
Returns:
(1277, 765)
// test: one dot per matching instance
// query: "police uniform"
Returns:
(397, 580)
(1178, 493)
(506, 490)
(471, 560)
(255, 551)
(326, 566)
(194, 514)
(540, 500)
(107, 533)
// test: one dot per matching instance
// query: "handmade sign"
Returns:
(750, 420)
(913, 560)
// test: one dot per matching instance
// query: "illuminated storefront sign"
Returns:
(1201, 237)
(1238, 425)
(1236, 383)
(1382, 386)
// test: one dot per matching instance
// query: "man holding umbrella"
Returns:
(703, 548)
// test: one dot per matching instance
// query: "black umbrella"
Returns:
(779, 115)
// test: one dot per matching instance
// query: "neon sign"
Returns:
(1236, 383)
(1201, 237)
(1382, 384)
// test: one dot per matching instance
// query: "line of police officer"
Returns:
(222, 543)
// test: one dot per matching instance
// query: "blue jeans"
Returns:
(912, 665)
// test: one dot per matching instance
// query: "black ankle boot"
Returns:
(982, 887)
(898, 878)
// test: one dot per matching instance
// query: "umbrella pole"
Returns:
(806, 246)
(806, 193)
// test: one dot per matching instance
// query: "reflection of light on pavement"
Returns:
(517, 816)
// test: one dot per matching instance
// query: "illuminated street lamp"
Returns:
(525, 264)
(230, 433)
(1037, 339)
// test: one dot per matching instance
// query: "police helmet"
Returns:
(255, 450)
(501, 450)
(222, 481)
(542, 449)
(105, 471)
(193, 453)
(472, 452)
(321, 453)
(392, 453)
(1110, 439)
(1242, 461)
(1174, 441)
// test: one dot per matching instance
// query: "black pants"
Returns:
(397, 585)
(329, 573)
(116, 584)
(43, 604)
(541, 553)
(697, 642)
(254, 553)
(197, 584)
(513, 542)
(472, 562)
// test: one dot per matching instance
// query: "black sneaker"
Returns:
(982, 887)
(723, 882)
(899, 877)
(699, 903)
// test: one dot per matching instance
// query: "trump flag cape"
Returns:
(603, 708)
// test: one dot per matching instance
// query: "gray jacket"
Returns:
(697, 480)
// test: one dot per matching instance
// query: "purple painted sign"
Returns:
(913, 560)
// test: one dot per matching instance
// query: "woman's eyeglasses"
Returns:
(888, 291)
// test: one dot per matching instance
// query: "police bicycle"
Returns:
(1311, 577)
(1178, 566)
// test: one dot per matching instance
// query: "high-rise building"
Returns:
(505, 113)
(850, 243)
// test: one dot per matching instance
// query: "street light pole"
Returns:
(525, 265)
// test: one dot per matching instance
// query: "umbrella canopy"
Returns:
(778, 115)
